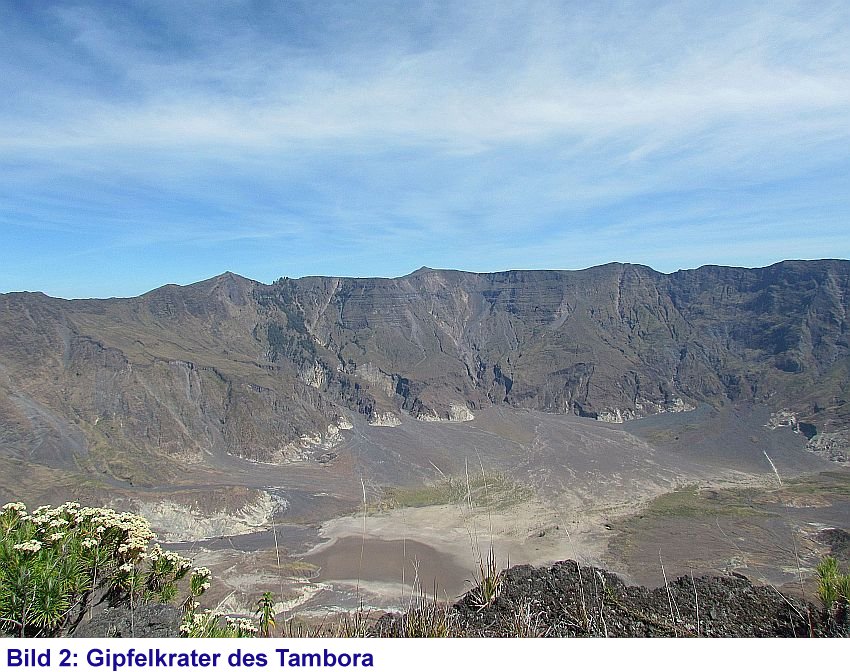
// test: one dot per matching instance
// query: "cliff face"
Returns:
(612, 342)
(273, 372)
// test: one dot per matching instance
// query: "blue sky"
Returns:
(143, 143)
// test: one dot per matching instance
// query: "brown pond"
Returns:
(396, 561)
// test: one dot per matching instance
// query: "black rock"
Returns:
(145, 620)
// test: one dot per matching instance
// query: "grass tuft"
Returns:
(488, 581)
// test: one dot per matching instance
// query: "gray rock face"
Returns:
(833, 445)
(135, 388)
(145, 620)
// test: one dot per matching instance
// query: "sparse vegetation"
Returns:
(835, 483)
(833, 586)
(488, 581)
(425, 618)
(691, 502)
(355, 624)
(430, 620)
(526, 623)
(492, 490)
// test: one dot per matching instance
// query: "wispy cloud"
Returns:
(436, 131)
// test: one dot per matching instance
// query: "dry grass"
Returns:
(496, 491)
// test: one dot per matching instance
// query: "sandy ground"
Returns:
(567, 485)
(404, 552)
(441, 546)
(385, 560)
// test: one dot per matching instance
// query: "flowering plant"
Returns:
(56, 562)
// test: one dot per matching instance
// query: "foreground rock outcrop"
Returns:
(569, 600)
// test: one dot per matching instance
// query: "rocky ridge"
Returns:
(569, 600)
(272, 373)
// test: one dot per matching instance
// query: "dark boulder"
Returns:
(144, 620)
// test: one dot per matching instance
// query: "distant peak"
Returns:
(227, 276)
(230, 275)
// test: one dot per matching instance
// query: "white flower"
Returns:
(245, 625)
(32, 545)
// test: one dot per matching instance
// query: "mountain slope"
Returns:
(137, 388)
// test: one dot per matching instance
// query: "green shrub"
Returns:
(265, 614)
(57, 562)
(833, 586)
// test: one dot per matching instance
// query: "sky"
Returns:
(145, 143)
